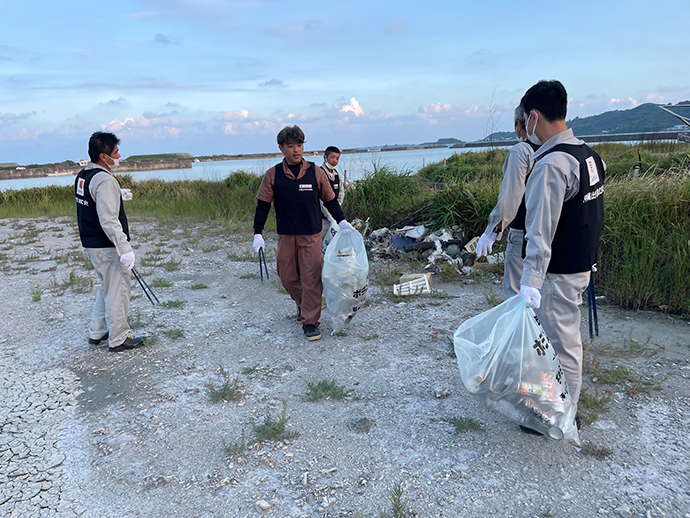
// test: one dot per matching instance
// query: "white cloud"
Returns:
(613, 100)
(235, 115)
(633, 102)
(353, 106)
(229, 129)
(654, 98)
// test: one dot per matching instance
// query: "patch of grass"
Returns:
(590, 406)
(272, 430)
(632, 348)
(173, 304)
(399, 502)
(492, 299)
(228, 389)
(151, 340)
(598, 452)
(36, 293)
(449, 272)
(278, 286)
(438, 294)
(250, 370)
(174, 334)
(325, 389)
(75, 281)
(464, 424)
(137, 322)
(31, 258)
(373, 336)
(547, 514)
(172, 265)
(236, 448)
(151, 259)
(198, 286)
(250, 276)
(160, 282)
(387, 274)
(250, 255)
(212, 248)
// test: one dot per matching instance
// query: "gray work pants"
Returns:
(110, 311)
(512, 267)
(559, 314)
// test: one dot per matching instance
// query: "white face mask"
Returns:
(116, 162)
(521, 139)
(533, 137)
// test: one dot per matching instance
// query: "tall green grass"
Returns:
(387, 197)
(644, 258)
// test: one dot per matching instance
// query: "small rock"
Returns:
(362, 425)
(442, 392)
(263, 505)
(624, 511)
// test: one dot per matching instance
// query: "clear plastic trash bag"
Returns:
(330, 234)
(507, 361)
(345, 276)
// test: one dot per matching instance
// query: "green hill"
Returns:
(644, 118)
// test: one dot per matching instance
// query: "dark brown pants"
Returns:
(299, 264)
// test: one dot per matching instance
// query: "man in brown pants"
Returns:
(296, 186)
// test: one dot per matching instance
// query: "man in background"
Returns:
(330, 162)
(104, 233)
(296, 186)
(565, 216)
(510, 209)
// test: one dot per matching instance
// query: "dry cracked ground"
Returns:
(90, 433)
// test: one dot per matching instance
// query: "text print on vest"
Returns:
(593, 172)
(306, 187)
(80, 187)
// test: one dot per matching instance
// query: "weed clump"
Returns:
(325, 389)
(228, 390)
(464, 424)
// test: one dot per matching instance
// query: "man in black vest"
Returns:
(330, 161)
(295, 186)
(510, 208)
(104, 233)
(565, 216)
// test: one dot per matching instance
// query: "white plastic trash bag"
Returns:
(508, 362)
(345, 275)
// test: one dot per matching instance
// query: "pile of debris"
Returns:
(441, 246)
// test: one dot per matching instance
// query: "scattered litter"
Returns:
(413, 284)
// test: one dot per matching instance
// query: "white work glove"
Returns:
(126, 194)
(128, 260)
(531, 296)
(485, 243)
(345, 227)
(258, 242)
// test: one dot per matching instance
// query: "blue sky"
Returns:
(220, 76)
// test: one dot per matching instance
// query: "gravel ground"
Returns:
(89, 433)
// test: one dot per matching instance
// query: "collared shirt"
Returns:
(515, 170)
(105, 189)
(554, 179)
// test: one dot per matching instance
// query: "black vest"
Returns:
(90, 230)
(518, 222)
(297, 202)
(335, 183)
(575, 244)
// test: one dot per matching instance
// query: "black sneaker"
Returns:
(578, 422)
(131, 342)
(300, 318)
(311, 332)
(97, 341)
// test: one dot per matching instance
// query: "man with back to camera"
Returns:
(564, 198)
(104, 233)
(510, 208)
(330, 161)
(296, 186)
